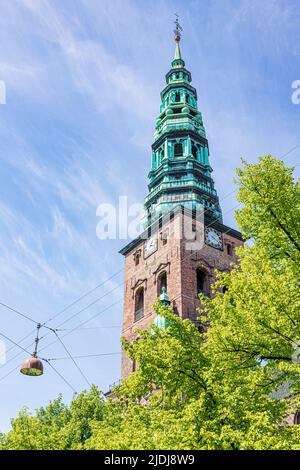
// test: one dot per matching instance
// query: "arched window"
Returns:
(162, 282)
(297, 418)
(139, 304)
(194, 150)
(187, 99)
(160, 156)
(137, 259)
(178, 150)
(201, 281)
(229, 249)
(177, 97)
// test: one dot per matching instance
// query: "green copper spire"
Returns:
(180, 170)
(178, 61)
(177, 52)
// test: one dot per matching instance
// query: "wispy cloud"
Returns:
(83, 81)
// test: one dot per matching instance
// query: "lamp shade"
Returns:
(32, 366)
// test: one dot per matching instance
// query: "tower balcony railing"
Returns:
(179, 127)
(177, 184)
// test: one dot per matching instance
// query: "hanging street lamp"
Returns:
(33, 366)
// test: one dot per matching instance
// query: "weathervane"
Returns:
(178, 29)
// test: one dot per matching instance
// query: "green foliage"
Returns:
(270, 215)
(258, 318)
(220, 388)
(161, 352)
(57, 426)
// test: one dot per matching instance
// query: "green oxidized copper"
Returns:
(164, 298)
(160, 321)
(180, 168)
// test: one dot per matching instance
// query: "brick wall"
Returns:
(180, 265)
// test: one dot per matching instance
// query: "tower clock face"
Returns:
(150, 246)
(213, 238)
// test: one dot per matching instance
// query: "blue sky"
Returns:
(83, 79)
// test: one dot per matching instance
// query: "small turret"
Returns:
(164, 298)
(160, 321)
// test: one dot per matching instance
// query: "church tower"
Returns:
(185, 240)
(180, 169)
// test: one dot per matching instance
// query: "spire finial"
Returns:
(177, 62)
(178, 29)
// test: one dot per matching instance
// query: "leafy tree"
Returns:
(198, 402)
(258, 317)
(226, 386)
(270, 215)
(232, 386)
(57, 426)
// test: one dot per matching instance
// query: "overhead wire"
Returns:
(19, 341)
(18, 312)
(91, 327)
(97, 314)
(81, 357)
(61, 376)
(108, 279)
(63, 310)
(82, 323)
(72, 358)
(88, 306)
(92, 290)
(84, 295)
(14, 342)
(55, 341)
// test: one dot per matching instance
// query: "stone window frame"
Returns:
(138, 284)
(164, 235)
(161, 266)
(137, 256)
(229, 248)
(177, 95)
(208, 273)
(297, 418)
(171, 147)
(158, 281)
(204, 280)
(139, 313)
(179, 154)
